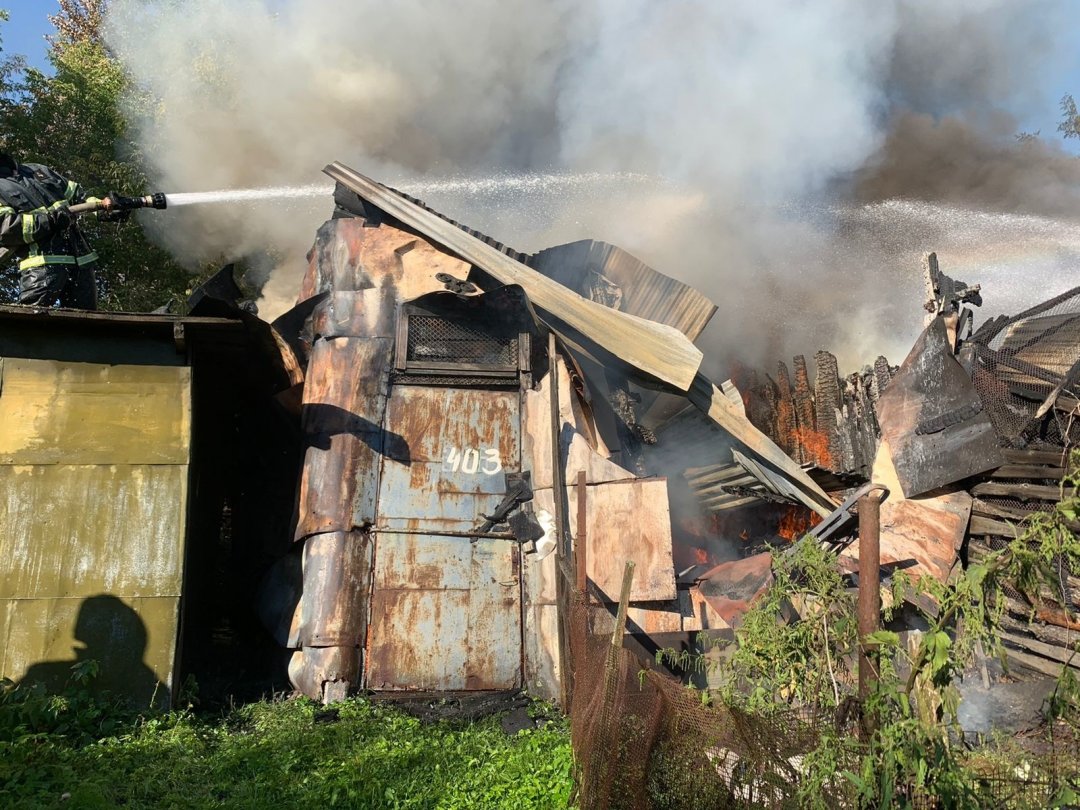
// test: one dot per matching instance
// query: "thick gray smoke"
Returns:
(755, 114)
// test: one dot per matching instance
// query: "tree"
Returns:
(73, 122)
(1070, 123)
(79, 21)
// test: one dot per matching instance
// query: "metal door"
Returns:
(445, 607)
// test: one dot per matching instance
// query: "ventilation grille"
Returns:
(439, 341)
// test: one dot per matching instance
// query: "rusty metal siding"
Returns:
(349, 255)
(445, 614)
(94, 546)
(447, 469)
(70, 531)
(335, 614)
(446, 611)
(344, 403)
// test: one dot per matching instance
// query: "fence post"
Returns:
(581, 555)
(869, 610)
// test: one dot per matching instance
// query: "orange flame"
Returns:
(815, 445)
(797, 521)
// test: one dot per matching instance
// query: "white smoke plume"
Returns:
(756, 116)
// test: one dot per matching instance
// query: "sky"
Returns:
(25, 33)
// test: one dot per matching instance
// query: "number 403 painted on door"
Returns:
(472, 460)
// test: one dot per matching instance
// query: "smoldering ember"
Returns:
(454, 472)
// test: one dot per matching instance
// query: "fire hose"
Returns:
(114, 202)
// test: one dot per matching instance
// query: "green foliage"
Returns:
(287, 753)
(73, 121)
(29, 714)
(797, 645)
(1070, 118)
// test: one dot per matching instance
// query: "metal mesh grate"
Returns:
(433, 339)
(455, 381)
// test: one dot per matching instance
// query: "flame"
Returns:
(797, 521)
(815, 445)
(701, 556)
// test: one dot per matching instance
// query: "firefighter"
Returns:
(56, 265)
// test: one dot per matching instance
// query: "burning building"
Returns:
(415, 474)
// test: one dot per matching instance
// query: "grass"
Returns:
(283, 754)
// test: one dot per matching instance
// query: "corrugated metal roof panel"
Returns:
(646, 292)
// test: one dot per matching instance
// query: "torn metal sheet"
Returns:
(659, 352)
(337, 579)
(344, 403)
(933, 419)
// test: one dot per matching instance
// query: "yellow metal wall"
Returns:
(93, 498)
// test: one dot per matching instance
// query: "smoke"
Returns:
(764, 122)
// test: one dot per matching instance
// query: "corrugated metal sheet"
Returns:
(645, 292)
(93, 550)
(446, 614)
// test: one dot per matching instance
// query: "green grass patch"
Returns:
(277, 754)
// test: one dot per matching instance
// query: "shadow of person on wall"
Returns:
(113, 635)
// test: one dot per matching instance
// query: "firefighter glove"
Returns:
(117, 210)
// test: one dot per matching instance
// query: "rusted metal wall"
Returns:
(93, 501)
(446, 610)
(375, 465)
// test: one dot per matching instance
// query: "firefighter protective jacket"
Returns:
(28, 195)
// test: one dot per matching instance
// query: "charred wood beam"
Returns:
(785, 413)
(1027, 472)
(827, 403)
(1053, 458)
(1023, 491)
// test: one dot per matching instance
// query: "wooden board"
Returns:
(55, 412)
